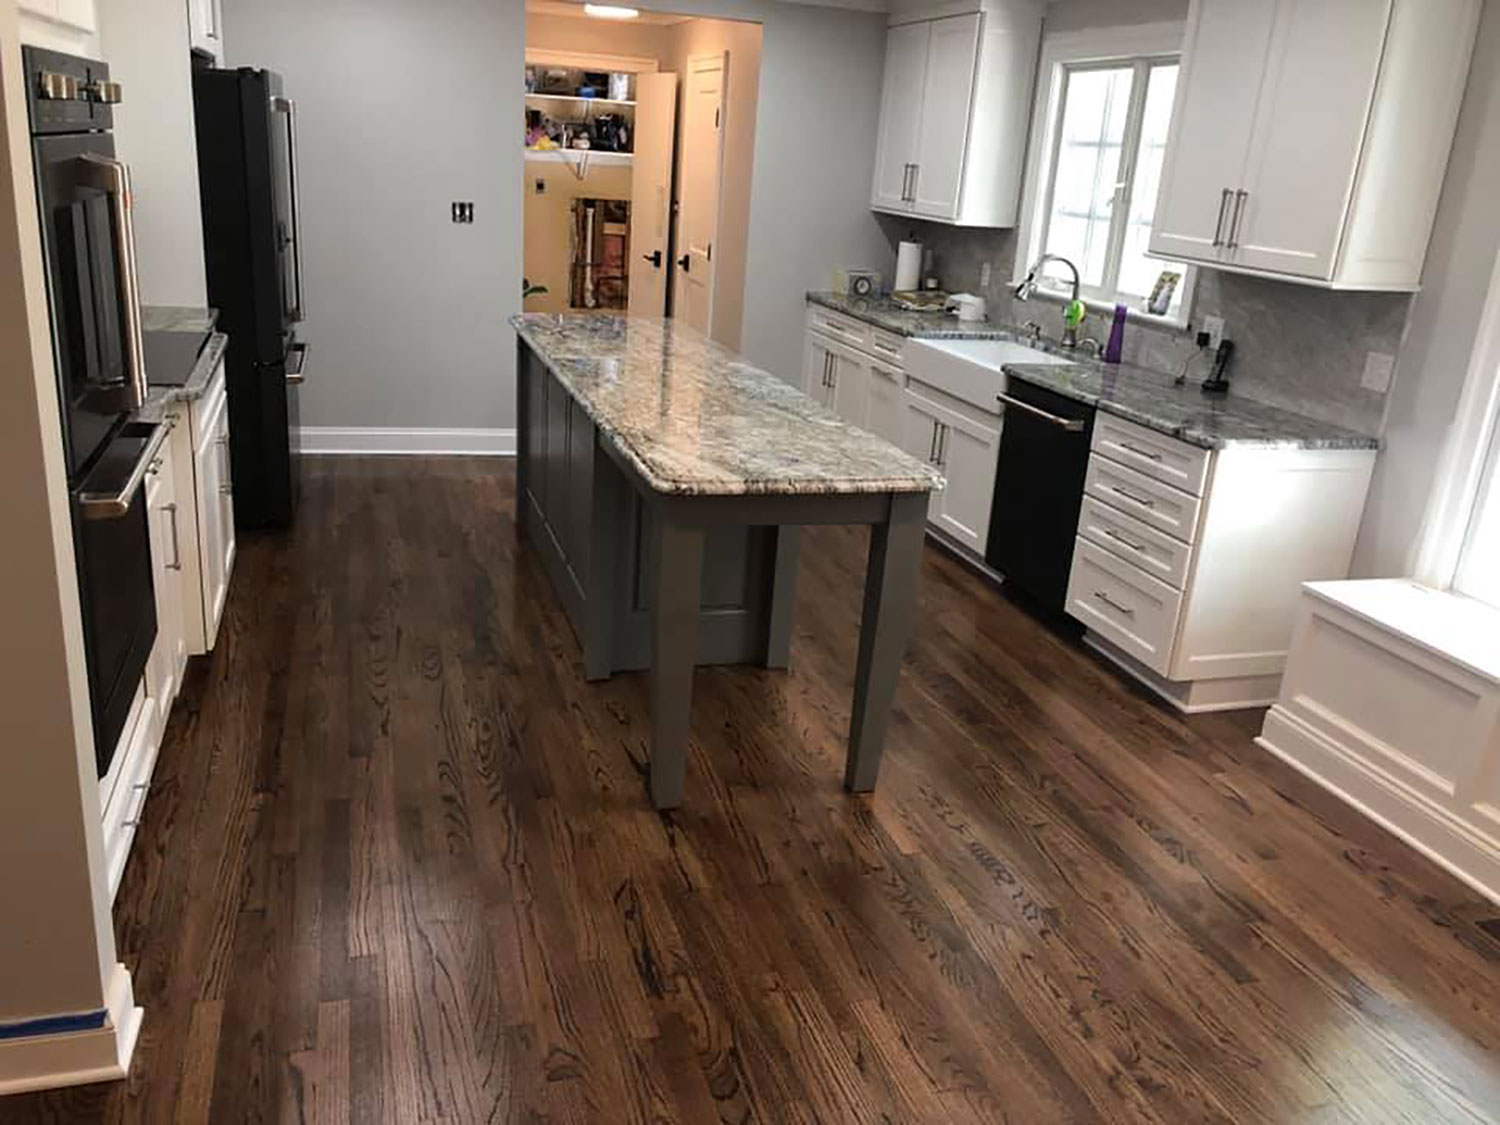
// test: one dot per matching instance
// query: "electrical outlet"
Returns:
(1214, 326)
(1379, 367)
(463, 211)
(984, 276)
(541, 186)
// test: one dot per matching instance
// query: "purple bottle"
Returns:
(1116, 347)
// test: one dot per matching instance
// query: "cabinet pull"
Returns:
(1139, 548)
(916, 175)
(932, 445)
(1240, 198)
(1143, 501)
(133, 819)
(1219, 226)
(906, 183)
(176, 563)
(1114, 605)
(1146, 453)
(942, 453)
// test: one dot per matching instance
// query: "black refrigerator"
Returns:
(252, 233)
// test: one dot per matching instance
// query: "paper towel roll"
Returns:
(908, 267)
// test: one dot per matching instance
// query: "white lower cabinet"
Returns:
(215, 508)
(885, 414)
(952, 436)
(168, 660)
(1189, 564)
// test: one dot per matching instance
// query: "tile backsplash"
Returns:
(1297, 347)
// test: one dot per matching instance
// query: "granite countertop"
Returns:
(1213, 422)
(694, 418)
(160, 399)
(178, 318)
(884, 313)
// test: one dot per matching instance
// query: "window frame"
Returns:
(1141, 46)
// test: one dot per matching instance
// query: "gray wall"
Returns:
(1298, 347)
(1444, 323)
(403, 108)
(407, 311)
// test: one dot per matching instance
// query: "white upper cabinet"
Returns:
(954, 110)
(206, 27)
(1310, 137)
(74, 15)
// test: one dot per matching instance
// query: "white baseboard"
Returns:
(76, 1058)
(398, 441)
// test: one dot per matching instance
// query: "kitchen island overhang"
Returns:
(664, 481)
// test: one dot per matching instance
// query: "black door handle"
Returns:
(686, 262)
(654, 258)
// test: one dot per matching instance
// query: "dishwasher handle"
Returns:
(1071, 425)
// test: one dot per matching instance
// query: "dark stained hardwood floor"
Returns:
(399, 865)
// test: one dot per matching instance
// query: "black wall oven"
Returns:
(83, 195)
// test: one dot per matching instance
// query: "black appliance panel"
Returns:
(172, 356)
(64, 93)
(1042, 464)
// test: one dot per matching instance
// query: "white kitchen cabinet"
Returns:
(885, 415)
(205, 27)
(965, 449)
(955, 105)
(837, 377)
(168, 660)
(80, 15)
(1310, 138)
(1189, 563)
(215, 506)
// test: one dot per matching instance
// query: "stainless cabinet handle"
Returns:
(113, 178)
(115, 503)
(942, 453)
(1146, 453)
(932, 445)
(1071, 425)
(1114, 605)
(916, 176)
(1143, 501)
(906, 183)
(1219, 226)
(296, 364)
(1240, 198)
(135, 817)
(289, 107)
(1139, 548)
(176, 563)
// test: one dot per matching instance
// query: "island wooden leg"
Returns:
(782, 611)
(890, 606)
(676, 579)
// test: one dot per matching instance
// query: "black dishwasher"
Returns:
(1044, 457)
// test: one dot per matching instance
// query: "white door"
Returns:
(966, 453)
(702, 160)
(900, 114)
(817, 367)
(651, 192)
(886, 409)
(1314, 106)
(849, 386)
(947, 94)
(1224, 56)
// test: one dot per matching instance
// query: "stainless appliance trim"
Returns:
(113, 505)
(1071, 425)
(113, 178)
(288, 106)
(296, 375)
(176, 563)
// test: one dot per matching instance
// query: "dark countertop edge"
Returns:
(951, 330)
(1340, 441)
(668, 487)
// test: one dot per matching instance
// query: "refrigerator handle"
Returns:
(288, 106)
(113, 178)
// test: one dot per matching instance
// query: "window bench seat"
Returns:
(1391, 701)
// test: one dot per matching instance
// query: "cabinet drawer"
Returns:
(1156, 455)
(1155, 552)
(886, 346)
(1158, 505)
(1124, 605)
(844, 329)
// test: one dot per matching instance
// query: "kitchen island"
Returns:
(663, 479)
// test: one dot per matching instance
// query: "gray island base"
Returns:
(664, 481)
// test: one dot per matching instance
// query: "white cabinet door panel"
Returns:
(1320, 82)
(1212, 124)
(848, 396)
(887, 409)
(947, 96)
(900, 114)
(815, 368)
(966, 452)
(919, 434)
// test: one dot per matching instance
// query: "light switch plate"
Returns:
(1379, 367)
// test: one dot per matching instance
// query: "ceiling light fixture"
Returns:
(610, 12)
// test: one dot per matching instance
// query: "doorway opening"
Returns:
(639, 135)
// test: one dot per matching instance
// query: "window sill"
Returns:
(1171, 322)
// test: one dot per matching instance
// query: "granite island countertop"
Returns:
(1155, 401)
(884, 313)
(694, 418)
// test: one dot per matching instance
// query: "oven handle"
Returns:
(113, 178)
(1072, 425)
(296, 364)
(288, 106)
(116, 504)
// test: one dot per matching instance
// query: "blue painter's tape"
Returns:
(54, 1025)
